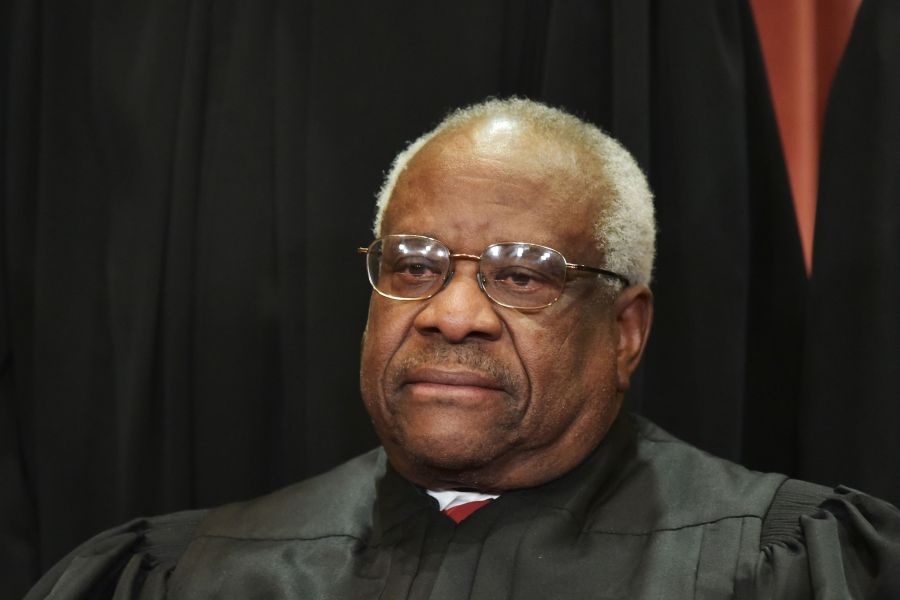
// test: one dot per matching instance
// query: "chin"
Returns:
(442, 441)
(450, 452)
(452, 459)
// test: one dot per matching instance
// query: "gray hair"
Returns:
(625, 229)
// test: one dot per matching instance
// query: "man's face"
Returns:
(466, 393)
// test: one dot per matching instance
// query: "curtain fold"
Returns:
(852, 360)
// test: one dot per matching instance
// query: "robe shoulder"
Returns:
(138, 558)
(338, 502)
(665, 484)
(838, 543)
(813, 541)
(132, 560)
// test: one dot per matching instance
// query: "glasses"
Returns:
(512, 274)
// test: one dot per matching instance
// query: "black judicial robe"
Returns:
(645, 516)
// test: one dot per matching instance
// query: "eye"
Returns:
(413, 276)
(415, 268)
(519, 280)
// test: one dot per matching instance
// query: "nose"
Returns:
(461, 311)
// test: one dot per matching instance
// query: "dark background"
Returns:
(184, 184)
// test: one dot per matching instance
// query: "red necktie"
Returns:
(461, 511)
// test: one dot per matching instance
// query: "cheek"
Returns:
(387, 327)
(571, 365)
(556, 350)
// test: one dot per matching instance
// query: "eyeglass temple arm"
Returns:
(612, 274)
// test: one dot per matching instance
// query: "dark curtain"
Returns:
(184, 185)
(851, 394)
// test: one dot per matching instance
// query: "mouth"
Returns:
(448, 385)
(450, 377)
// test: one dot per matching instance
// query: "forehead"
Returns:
(486, 184)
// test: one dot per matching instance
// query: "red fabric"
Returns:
(802, 43)
(463, 511)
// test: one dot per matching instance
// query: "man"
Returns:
(510, 308)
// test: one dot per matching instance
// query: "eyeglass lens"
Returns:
(513, 274)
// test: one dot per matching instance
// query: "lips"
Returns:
(452, 378)
(456, 387)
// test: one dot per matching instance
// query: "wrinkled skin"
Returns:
(466, 394)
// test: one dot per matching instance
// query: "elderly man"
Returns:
(510, 308)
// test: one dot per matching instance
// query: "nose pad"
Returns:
(445, 284)
(448, 278)
(480, 277)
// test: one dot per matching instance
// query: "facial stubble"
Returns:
(469, 357)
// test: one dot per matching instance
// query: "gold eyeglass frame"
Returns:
(480, 277)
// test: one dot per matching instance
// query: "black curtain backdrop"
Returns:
(850, 411)
(184, 184)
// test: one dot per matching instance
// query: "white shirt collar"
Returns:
(450, 498)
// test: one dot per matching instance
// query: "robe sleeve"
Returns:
(829, 544)
(131, 561)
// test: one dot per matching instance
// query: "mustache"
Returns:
(469, 357)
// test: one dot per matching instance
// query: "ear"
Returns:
(634, 314)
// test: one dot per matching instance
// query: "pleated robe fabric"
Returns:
(645, 516)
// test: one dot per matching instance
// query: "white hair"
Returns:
(625, 229)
